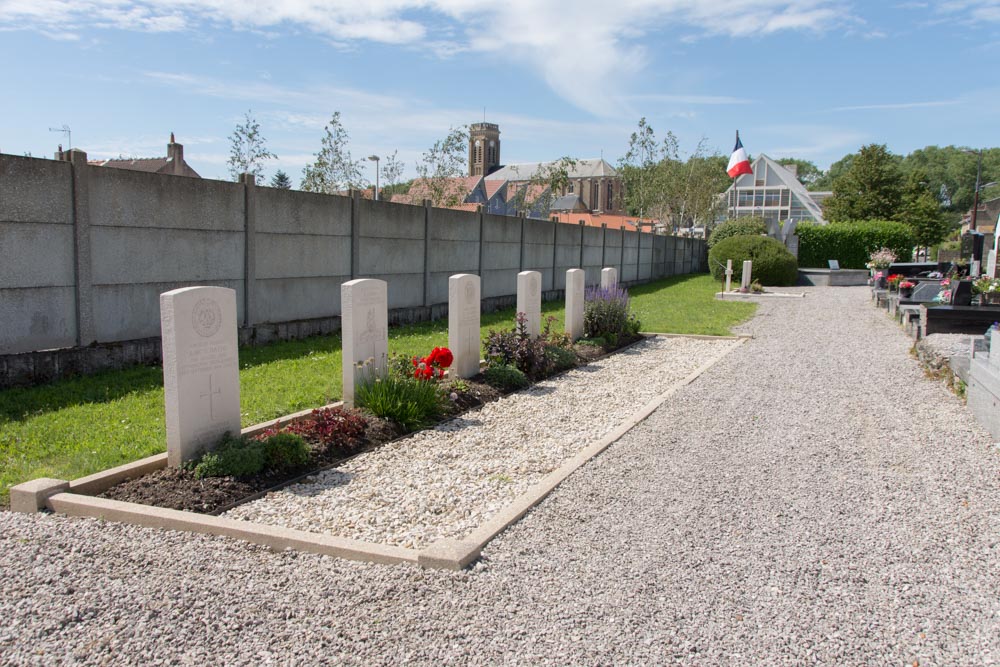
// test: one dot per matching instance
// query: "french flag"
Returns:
(739, 163)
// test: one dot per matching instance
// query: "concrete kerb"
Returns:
(66, 498)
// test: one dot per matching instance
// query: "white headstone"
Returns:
(747, 269)
(201, 369)
(991, 264)
(609, 277)
(463, 324)
(574, 303)
(974, 268)
(364, 325)
(729, 274)
(529, 300)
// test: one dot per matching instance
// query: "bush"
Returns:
(772, 263)
(737, 227)
(852, 243)
(285, 450)
(411, 403)
(234, 457)
(505, 378)
(606, 313)
(327, 428)
(516, 348)
(562, 358)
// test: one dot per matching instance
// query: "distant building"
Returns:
(173, 163)
(773, 192)
(986, 217)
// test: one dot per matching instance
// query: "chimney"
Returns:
(175, 153)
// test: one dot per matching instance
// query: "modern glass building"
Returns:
(773, 192)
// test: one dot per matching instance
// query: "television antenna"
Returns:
(69, 135)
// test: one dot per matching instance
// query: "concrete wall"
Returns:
(86, 251)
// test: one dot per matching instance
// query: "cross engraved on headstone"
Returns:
(209, 395)
(463, 323)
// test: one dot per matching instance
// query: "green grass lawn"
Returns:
(82, 425)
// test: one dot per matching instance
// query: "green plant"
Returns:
(459, 385)
(772, 263)
(517, 348)
(285, 450)
(748, 226)
(592, 342)
(562, 358)
(852, 243)
(411, 403)
(505, 378)
(235, 456)
(756, 287)
(326, 428)
(606, 314)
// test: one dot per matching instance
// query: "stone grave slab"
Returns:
(529, 300)
(609, 277)
(201, 377)
(745, 280)
(463, 324)
(574, 303)
(364, 323)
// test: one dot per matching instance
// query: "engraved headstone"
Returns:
(574, 303)
(925, 291)
(463, 324)
(529, 300)
(609, 277)
(991, 264)
(364, 324)
(201, 377)
(745, 279)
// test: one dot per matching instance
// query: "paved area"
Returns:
(812, 499)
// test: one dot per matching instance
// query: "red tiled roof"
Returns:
(492, 186)
(421, 190)
(150, 164)
(613, 221)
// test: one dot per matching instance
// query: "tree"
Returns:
(392, 171)
(441, 165)
(640, 169)
(281, 181)
(806, 171)
(334, 169)
(248, 149)
(921, 210)
(870, 189)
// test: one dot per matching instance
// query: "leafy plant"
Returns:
(326, 428)
(411, 403)
(606, 314)
(505, 378)
(285, 450)
(517, 348)
(772, 263)
(235, 456)
(852, 243)
(562, 358)
(748, 226)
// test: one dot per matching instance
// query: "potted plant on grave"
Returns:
(878, 262)
(988, 290)
(906, 289)
(893, 281)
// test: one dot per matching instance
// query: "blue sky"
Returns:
(813, 79)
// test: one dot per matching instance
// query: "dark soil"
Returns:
(175, 488)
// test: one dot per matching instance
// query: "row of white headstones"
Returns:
(201, 363)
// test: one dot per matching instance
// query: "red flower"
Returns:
(444, 357)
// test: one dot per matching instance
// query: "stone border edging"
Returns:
(452, 554)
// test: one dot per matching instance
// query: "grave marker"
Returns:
(463, 324)
(364, 324)
(529, 300)
(745, 279)
(834, 264)
(609, 277)
(729, 274)
(574, 303)
(201, 377)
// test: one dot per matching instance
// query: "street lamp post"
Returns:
(375, 159)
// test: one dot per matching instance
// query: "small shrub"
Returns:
(772, 263)
(562, 358)
(235, 456)
(852, 243)
(285, 450)
(592, 342)
(606, 314)
(517, 348)
(505, 378)
(411, 403)
(749, 226)
(326, 428)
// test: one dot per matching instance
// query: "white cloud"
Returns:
(589, 40)
(897, 106)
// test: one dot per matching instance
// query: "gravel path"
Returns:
(447, 481)
(812, 499)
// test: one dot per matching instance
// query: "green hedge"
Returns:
(749, 226)
(851, 243)
(772, 263)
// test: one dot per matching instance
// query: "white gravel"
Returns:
(447, 481)
(813, 499)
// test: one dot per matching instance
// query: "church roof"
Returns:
(524, 171)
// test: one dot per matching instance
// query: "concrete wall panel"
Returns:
(289, 299)
(38, 318)
(391, 221)
(502, 256)
(498, 228)
(448, 225)
(33, 190)
(302, 255)
(121, 255)
(36, 255)
(405, 291)
(384, 256)
(454, 256)
(498, 283)
(294, 212)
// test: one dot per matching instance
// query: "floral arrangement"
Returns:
(907, 284)
(986, 285)
(881, 259)
(432, 366)
(894, 280)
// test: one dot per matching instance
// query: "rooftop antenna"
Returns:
(484, 114)
(65, 130)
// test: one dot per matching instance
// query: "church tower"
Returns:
(484, 148)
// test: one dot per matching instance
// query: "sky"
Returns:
(810, 79)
